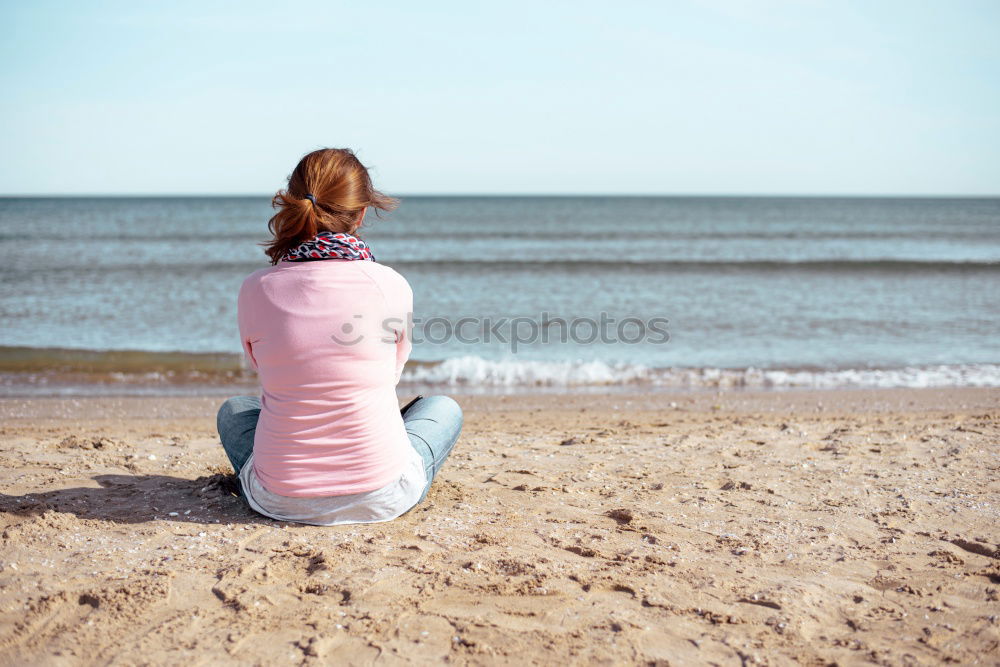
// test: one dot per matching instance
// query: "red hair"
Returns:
(340, 189)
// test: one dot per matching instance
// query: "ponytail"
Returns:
(329, 190)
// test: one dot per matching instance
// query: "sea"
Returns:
(551, 293)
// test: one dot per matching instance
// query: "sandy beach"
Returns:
(818, 528)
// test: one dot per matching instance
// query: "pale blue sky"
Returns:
(764, 97)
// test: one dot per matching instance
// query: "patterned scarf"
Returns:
(330, 245)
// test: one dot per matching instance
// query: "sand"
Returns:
(801, 527)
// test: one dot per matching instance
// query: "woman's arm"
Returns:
(404, 344)
(245, 321)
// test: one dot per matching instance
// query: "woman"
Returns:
(326, 329)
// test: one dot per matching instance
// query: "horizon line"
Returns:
(539, 195)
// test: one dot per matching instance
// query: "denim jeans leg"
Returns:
(237, 423)
(433, 425)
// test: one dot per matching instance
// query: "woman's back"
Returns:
(328, 341)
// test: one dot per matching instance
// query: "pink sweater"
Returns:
(327, 340)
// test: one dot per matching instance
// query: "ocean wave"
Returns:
(200, 236)
(479, 265)
(476, 371)
(23, 366)
(120, 364)
(887, 265)
(471, 371)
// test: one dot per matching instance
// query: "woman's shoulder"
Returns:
(384, 275)
(254, 278)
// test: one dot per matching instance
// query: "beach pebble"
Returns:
(151, 457)
(173, 514)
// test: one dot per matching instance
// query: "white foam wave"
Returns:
(474, 371)
(477, 371)
(979, 375)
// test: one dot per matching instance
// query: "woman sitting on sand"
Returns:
(326, 329)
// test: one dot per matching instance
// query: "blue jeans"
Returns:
(432, 423)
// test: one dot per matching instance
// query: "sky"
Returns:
(800, 98)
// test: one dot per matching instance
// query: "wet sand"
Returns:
(743, 528)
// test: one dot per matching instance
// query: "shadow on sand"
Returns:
(142, 498)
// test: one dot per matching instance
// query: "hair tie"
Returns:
(312, 199)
